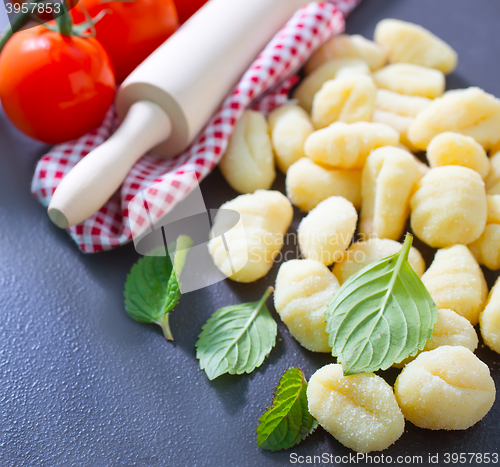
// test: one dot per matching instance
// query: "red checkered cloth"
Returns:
(263, 87)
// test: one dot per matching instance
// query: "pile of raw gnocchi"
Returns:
(347, 144)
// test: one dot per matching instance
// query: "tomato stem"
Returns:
(64, 22)
(19, 21)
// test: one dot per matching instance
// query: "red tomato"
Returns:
(55, 88)
(131, 30)
(187, 8)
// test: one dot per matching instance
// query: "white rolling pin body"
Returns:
(187, 77)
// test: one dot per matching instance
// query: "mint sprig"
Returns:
(288, 421)
(152, 288)
(380, 316)
(236, 339)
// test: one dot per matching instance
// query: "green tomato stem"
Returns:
(64, 21)
(20, 20)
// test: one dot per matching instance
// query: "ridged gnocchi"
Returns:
(347, 145)
(489, 319)
(359, 411)
(448, 388)
(290, 126)
(410, 43)
(248, 163)
(265, 217)
(346, 99)
(456, 282)
(307, 184)
(449, 207)
(303, 289)
(450, 329)
(308, 88)
(398, 110)
(470, 111)
(346, 46)
(486, 248)
(451, 148)
(388, 181)
(326, 232)
(413, 80)
(362, 253)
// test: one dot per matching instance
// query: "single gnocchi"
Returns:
(346, 46)
(326, 232)
(486, 248)
(359, 411)
(410, 43)
(248, 163)
(449, 207)
(398, 111)
(365, 252)
(489, 319)
(290, 126)
(451, 148)
(303, 289)
(346, 99)
(388, 181)
(456, 282)
(448, 388)
(470, 111)
(308, 88)
(413, 80)
(493, 179)
(347, 145)
(450, 329)
(307, 184)
(246, 253)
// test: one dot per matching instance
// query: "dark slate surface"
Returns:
(83, 385)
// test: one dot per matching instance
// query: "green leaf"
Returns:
(236, 339)
(380, 316)
(152, 288)
(288, 421)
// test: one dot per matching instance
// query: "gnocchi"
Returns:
(486, 248)
(450, 148)
(307, 184)
(326, 232)
(493, 179)
(290, 126)
(449, 207)
(470, 111)
(448, 388)
(360, 411)
(413, 80)
(303, 289)
(489, 319)
(347, 146)
(410, 43)
(248, 163)
(346, 46)
(363, 253)
(398, 110)
(265, 217)
(455, 281)
(450, 329)
(346, 99)
(387, 184)
(308, 88)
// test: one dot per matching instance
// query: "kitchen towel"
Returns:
(263, 87)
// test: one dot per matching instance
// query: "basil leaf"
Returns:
(288, 421)
(236, 339)
(380, 316)
(152, 288)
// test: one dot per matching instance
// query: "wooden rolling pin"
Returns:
(171, 96)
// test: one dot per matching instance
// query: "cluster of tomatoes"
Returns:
(56, 87)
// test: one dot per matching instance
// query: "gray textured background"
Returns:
(83, 385)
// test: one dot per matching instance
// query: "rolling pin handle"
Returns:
(89, 185)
